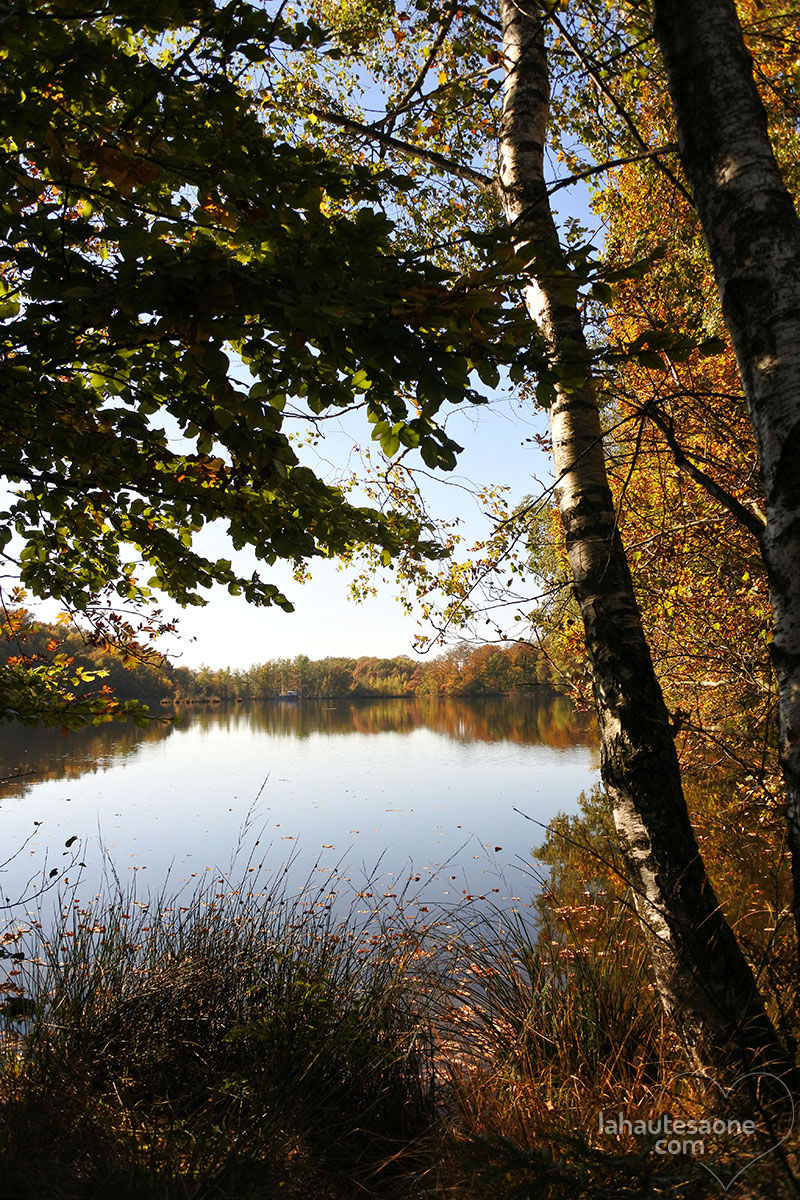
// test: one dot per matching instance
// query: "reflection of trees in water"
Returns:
(35, 755)
(529, 720)
(547, 720)
(30, 756)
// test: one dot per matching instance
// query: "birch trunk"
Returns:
(753, 235)
(705, 983)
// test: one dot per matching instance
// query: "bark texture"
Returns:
(753, 235)
(705, 983)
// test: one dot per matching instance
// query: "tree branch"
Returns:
(370, 133)
(444, 29)
(618, 107)
(714, 489)
(669, 148)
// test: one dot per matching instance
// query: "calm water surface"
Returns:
(393, 788)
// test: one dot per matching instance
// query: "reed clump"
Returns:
(550, 1024)
(245, 1044)
(233, 1043)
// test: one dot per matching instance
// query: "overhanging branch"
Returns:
(714, 489)
(370, 133)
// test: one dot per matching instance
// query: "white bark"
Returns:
(704, 981)
(753, 236)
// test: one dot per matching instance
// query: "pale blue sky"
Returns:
(326, 621)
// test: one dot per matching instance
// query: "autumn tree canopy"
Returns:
(173, 272)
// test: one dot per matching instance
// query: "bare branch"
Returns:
(370, 133)
(616, 104)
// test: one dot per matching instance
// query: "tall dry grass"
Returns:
(236, 1041)
(243, 1043)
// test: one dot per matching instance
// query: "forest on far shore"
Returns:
(463, 670)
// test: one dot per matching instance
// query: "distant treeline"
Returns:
(460, 671)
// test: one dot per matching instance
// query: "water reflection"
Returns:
(431, 789)
(32, 756)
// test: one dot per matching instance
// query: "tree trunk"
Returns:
(753, 236)
(705, 983)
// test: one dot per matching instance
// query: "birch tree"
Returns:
(704, 982)
(752, 231)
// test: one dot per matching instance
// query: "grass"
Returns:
(233, 1043)
(552, 1025)
(242, 1044)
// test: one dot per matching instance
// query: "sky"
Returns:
(498, 449)
(326, 620)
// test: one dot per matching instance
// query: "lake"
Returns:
(424, 793)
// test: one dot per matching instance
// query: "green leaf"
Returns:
(651, 360)
(546, 393)
(361, 381)
(223, 418)
(601, 291)
(488, 374)
(430, 452)
(711, 347)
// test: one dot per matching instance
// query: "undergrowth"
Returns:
(242, 1044)
(233, 1043)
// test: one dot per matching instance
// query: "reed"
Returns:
(236, 1040)
(244, 1043)
(545, 1027)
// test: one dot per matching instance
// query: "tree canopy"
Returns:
(179, 282)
